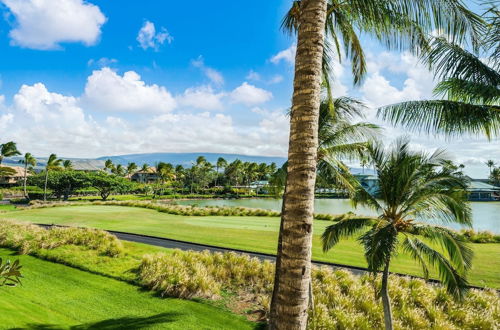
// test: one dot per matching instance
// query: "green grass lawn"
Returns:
(248, 233)
(55, 296)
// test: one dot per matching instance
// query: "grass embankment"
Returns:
(249, 233)
(54, 296)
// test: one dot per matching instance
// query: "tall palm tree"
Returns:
(495, 176)
(220, 164)
(145, 168)
(491, 164)
(411, 186)
(53, 163)
(401, 24)
(131, 168)
(293, 265)
(28, 160)
(8, 149)
(67, 165)
(108, 165)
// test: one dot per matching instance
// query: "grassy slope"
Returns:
(249, 233)
(63, 297)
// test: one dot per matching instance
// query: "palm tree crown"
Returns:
(411, 187)
(8, 149)
(470, 87)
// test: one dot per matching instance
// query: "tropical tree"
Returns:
(491, 165)
(290, 297)
(107, 184)
(28, 160)
(145, 168)
(131, 168)
(495, 176)
(400, 24)
(411, 186)
(53, 163)
(8, 149)
(108, 165)
(118, 170)
(67, 165)
(220, 164)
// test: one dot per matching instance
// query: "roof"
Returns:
(478, 185)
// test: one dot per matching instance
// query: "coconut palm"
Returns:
(401, 24)
(495, 176)
(131, 168)
(118, 170)
(145, 168)
(53, 163)
(470, 88)
(411, 186)
(108, 165)
(67, 165)
(8, 149)
(28, 160)
(220, 164)
(491, 164)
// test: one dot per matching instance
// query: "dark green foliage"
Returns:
(107, 184)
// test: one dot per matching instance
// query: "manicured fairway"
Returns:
(249, 233)
(54, 296)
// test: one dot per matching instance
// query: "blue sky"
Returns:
(92, 78)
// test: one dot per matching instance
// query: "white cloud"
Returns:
(102, 62)
(108, 91)
(202, 97)
(212, 74)
(276, 79)
(252, 75)
(378, 90)
(148, 38)
(250, 95)
(44, 24)
(287, 55)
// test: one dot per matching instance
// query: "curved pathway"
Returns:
(189, 246)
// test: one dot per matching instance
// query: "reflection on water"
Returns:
(486, 215)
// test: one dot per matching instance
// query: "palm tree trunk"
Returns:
(45, 188)
(25, 179)
(293, 267)
(386, 302)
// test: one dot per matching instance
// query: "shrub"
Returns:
(28, 238)
(341, 299)
(480, 236)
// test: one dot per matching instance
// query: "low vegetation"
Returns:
(28, 239)
(480, 236)
(341, 299)
(244, 284)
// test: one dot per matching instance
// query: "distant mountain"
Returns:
(185, 159)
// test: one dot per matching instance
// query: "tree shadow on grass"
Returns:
(112, 324)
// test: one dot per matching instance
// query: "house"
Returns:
(480, 191)
(12, 179)
(149, 176)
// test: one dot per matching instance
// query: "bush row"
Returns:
(28, 238)
(480, 236)
(341, 300)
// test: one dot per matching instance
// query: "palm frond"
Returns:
(458, 249)
(461, 90)
(456, 284)
(444, 117)
(345, 227)
(380, 243)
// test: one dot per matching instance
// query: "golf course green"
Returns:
(249, 233)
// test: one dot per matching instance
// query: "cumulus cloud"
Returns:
(108, 91)
(250, 95)
(286, 55)
(379, 90)
(212, 74)
(44, 24)
(202, 97)
(149, 38)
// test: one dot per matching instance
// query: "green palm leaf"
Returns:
(345, 227)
